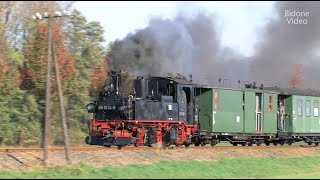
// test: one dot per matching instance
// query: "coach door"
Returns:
(259, 112)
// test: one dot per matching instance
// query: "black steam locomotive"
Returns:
(159, 110)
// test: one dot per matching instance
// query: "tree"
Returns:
(34, 70)
(99, 77)
(23, 66)
(18, 20)
(19, 112)
(85, 42)
(66, 64)
(36, 60)
(35, 64)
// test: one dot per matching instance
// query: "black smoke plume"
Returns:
(192, 45)
(284, 45)
(185, 45)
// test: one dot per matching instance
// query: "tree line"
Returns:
(83, 63)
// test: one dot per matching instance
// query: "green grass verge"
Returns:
(297, 167)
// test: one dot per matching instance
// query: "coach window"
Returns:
(308, 110)
(316, 108)
(299, 107)
(270, 104)
(216, 100)
(243, 99)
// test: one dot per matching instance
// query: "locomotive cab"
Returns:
(164, 98)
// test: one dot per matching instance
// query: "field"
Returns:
(293, 167)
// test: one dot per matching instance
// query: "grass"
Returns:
(301, 176)
(297, 167)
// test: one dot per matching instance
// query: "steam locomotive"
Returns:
(175, 111)
(160, 110)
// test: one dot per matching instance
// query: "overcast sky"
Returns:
(240, 23)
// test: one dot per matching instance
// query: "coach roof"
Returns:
(294, 91)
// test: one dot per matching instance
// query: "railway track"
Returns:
(131, 148)
(21, 158)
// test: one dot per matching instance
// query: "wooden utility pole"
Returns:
(61, 104)
(48, 96)
(52, 51)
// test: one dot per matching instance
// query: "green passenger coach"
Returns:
(305, 114)
(240, 116)
(302, 121)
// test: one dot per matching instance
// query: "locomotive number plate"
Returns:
(107, 107)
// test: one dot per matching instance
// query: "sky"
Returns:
(240, 23)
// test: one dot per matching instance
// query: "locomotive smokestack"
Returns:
(115, 80)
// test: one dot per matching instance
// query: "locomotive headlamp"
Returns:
(90, 107)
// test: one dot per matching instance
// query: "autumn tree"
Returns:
(68, 70)
(85, 42)
(35, 64)
(19, 111)
(17, 17)
(99, 77)
(35, 70)
(23, 66)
